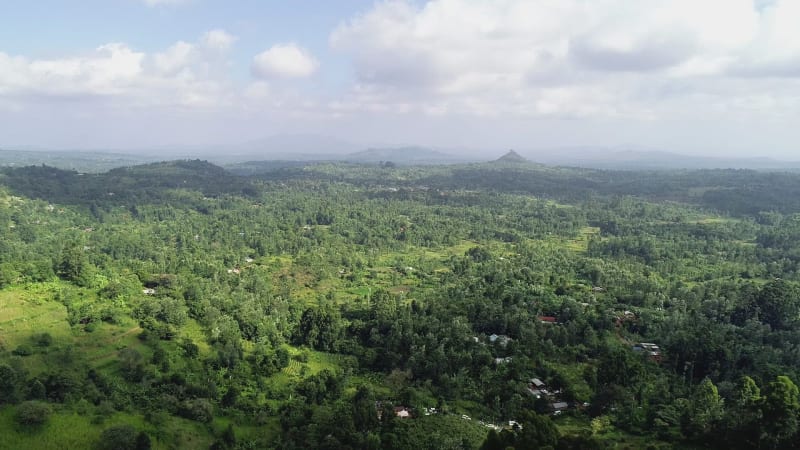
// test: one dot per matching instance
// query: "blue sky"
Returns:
(713, 77)
(52, 28)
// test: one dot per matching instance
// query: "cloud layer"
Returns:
(614, 62)
(284, 61)
(570, 57)
(184, 74)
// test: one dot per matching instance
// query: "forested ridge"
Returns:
(483, 306)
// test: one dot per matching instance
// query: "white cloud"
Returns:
(218, 40)
(164, 2)
(284, 61)
(174, 59)
(182, 75)
(588, 69)
(568, 58)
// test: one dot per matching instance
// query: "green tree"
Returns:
(131, 364)
(32, 413)
(743, 415)
(118, 437)
(781, 407)
(706, 409)
(8, 384)
(75, 266)
(538, 432)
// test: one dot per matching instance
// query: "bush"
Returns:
(123, 437)
(22, 350)
(198, 409)
(43, 340)
(32, 413)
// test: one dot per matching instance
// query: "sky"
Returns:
(704, 77)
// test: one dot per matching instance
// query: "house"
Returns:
(647, 347)
(149, 291)
(402, 412)
(505, 360)
(547, 319)
(537, 388)
(535, 392)
(652, 351)
(560, 406)
(249, 260)
(501, 339)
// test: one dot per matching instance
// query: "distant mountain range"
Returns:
(511, 157)
(293, 149)
(601, 158)
(405, 155)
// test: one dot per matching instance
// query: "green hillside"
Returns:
(474, 306)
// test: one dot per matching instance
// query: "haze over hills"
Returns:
(406, 155)
(511, 157)
(311, 147)
(614, 158)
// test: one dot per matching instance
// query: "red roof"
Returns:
(549, 319)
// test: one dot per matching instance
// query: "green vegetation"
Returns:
(178, 305)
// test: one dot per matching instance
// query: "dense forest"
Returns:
(344, 306)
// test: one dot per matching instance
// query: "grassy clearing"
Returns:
(23, 316)
(403, 272)
(194, 331)
(612, 437)
(30, 310)
(68, 430)
(580, 244)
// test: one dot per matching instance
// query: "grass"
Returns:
(581, 243)
(69, 430)
(23, 316)
(26, 311)
(612, 437)
(385, 272)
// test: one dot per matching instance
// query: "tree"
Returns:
(319, 328)
(199, 409)
(779, 303)
(75, 267)
(781, 406)
(43, 339)
(120, 437)
(143, 441)
(538, 432)
(36, 390)
(8, 384)
(229, 436)
(744, 414)
(32, 413)
(8, 274)
(364, 415)
(131, 363)
(706, 409)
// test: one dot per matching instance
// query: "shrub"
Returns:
(198, 409)
(122, 437)
(32, 413)
(43, 339)
(22, 350)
